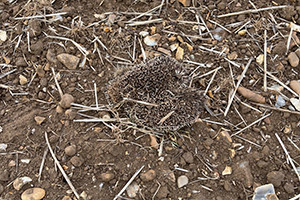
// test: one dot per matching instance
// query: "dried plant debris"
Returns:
(156, 95)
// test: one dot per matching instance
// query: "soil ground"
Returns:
(104, 156)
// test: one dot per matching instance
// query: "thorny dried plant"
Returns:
(156, 95)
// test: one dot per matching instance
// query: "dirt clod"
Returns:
(76, 161)
(66, 101)
(188, 157)
(242, 171)
(275, 177)
(70, 150)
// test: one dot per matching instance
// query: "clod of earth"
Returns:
(156, 95)
(66, 101)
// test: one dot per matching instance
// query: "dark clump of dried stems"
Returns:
(156, 95)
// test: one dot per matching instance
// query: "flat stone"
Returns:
(70, 61)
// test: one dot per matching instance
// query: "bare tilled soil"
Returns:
(141, 99)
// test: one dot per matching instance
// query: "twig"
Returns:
(252, 11)
(140, 102)
(129, 182)
(288, 155)
(7, 73)
(234, 134)
(56, 82)
(138, 23)
(295, 197)
(203, 22)
(40, 16)
(248, 141)
(211, 21)
(165, 117)
(237, 85)
(265, 62)
(282, 84)
(143, 51)
(149, 11)
(80, 48)
(155, 193)
(211, 80)
(101, 120)
(289, 41)
(60, 167)
(42, 164)
(277, 109)
(96, 97)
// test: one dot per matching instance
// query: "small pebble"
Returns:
(132, 190)
(59, 109)
(83, 195)
(3, 36)
(179, 53)
(107, 176)
(33, 194)
(20, 182)
(293, 59)
(152, 40)
(39, 120)
(233, 55)
(70, 61)
(70, 150)
(182, 181)
(22, 79)
(227, 171)
(148, 176)
(66, 101)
